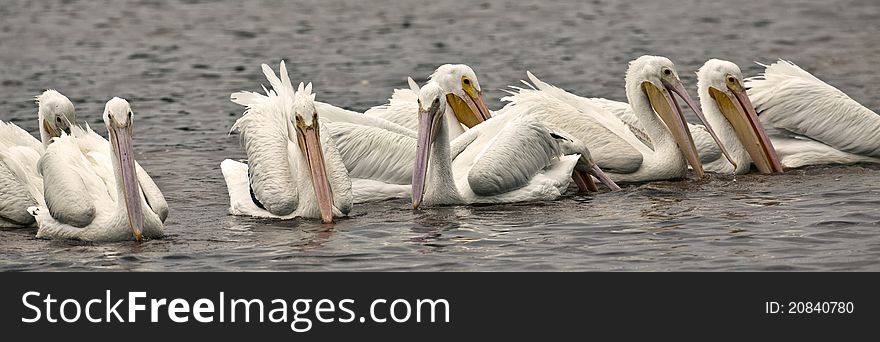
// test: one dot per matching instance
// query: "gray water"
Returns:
(178, 61)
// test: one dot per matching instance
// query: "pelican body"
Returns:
(817, 123)
(21, 185)
(292, 169)
(505, 159)
(657, 146)
(94, 190)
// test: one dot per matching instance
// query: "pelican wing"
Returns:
(70, 183)
(12, 135)
(797, 151)
(613, 145)
(20, 183)
(401, 109)
(14, 199)
(790, 98)
(625, 113)
(707, 148)
(152, 194)
(340, 181)
(331, 113)
(265, 138)
(510, 159)
(374, 153)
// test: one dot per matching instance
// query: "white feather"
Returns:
(789, 98)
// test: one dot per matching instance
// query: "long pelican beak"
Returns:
(595, 171)
(52, 132)
(469, 110)
(121, 140)
(428, 125)
(678, 88)
(741, 114)
(310, 143)
(666, 107)
(584, 171)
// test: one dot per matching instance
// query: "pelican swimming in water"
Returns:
(94, 190)
(293, 170)
(505, 159)
(727, 107)
(661, 147)
(21, 185)
(818, 123)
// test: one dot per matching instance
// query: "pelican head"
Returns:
(56, 113)
(308, 137)
(656, 78)
(119, 119)
(432, 105)
(463, 93)
(722, 81)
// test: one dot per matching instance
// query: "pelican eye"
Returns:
(667, 72)
(58, 119)
(466, 81)
(730, 79)
(436, 102)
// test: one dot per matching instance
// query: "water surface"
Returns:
(178, 61)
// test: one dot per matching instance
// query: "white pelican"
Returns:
(727, 107)
(96, 192)
(820, 124)
(292, 170)
(463, 94)
(661, 149)
(377, 153)
(505, 159)
(21, 185)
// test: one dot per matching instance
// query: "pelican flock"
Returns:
(437, 144)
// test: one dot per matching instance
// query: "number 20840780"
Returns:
(808, 307)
